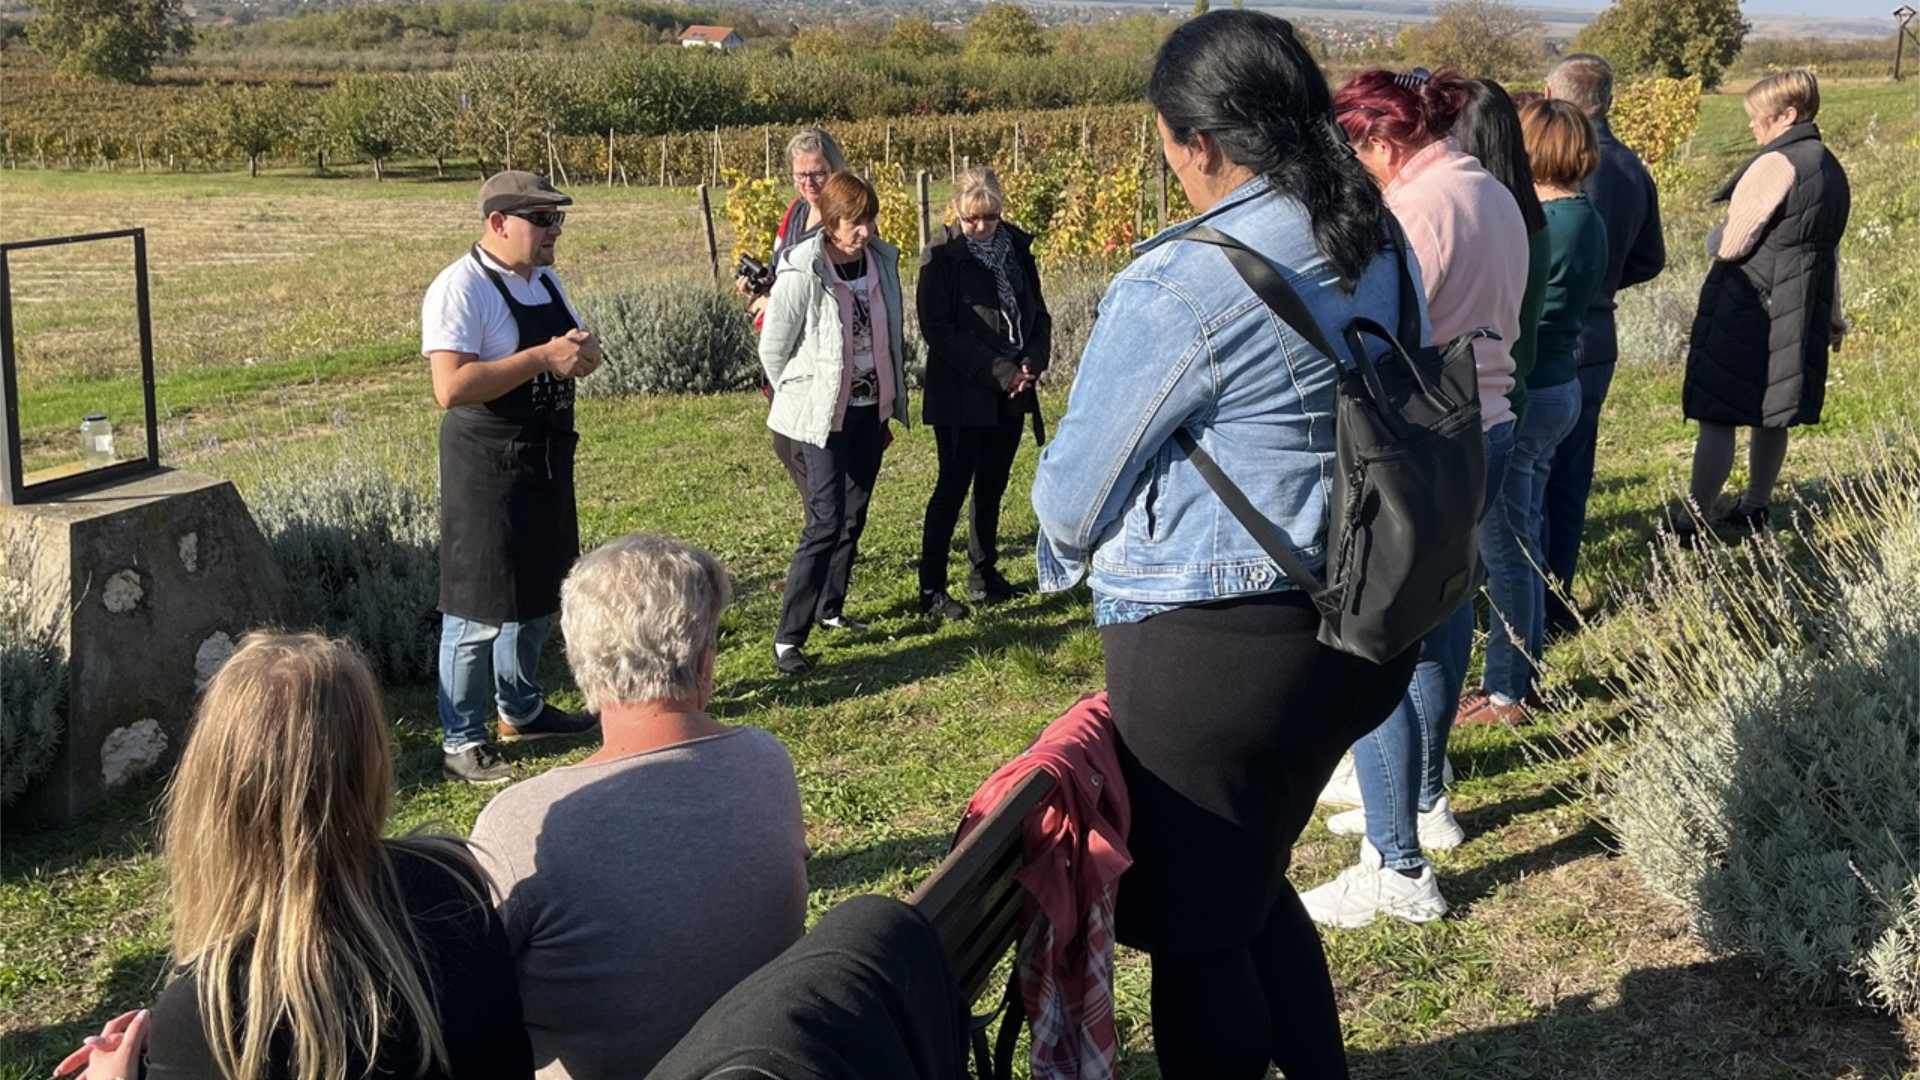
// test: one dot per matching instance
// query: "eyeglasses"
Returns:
(818, 176)
(980, 219)
(541, 219)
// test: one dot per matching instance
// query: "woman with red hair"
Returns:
(1470, 241)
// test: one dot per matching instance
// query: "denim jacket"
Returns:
(1181, 341)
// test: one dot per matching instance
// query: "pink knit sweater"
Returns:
(1471, 244)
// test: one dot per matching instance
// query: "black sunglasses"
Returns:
(545, 219)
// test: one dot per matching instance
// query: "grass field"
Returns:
(284, 316)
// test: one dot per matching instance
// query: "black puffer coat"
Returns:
(1760, 340)
(970, 362)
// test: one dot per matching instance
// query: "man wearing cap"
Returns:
(505, 348)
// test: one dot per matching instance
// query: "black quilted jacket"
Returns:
(1758, 356)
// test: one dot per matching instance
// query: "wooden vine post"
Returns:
(713, 244)
(926, 210)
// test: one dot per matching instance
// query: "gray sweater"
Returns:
(636, 892)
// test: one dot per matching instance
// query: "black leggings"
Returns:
(980, 458)
(1231, 717)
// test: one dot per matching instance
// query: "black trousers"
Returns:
(980, 458)
(788, 452)
(840, 480)
(1231, 717)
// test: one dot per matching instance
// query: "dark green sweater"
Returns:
(1526, 346)
(1579, 259)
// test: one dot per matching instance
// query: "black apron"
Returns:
(508, 528)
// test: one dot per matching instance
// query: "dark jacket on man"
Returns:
(1622, 191)
(971, 360)
(1760, 339)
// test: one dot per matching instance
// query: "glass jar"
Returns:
(96, 441)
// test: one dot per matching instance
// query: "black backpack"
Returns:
(1411, 470)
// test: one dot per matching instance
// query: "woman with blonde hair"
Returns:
(1770, 308)
(308, 943)
(989, 337)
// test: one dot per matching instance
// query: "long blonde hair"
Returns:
(286, 902)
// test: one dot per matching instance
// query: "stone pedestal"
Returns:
(159, 577)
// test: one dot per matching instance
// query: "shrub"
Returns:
(355, 528)
(33, 681)
(1655, 320)
(669, 338)
(1770, 785)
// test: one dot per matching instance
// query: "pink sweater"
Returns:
(1471, 243)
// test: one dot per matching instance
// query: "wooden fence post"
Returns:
(715, 180)
(663, 161)
(1163, 191)
(609, 157)
(888, 155)
(950, 153)
(713, 245)
(1016, 147)
(920, 184)
(769, 135)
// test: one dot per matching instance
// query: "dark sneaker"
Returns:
(843, 621)
(991, 588)
(791, 662)
(941, 606)
(549, 723)
(479, 764)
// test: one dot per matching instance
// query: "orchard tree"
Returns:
(1005, 30)
(1483, 39)
(1672, 38)
(361, 112)
(918, 37)
(256, 120)
(109, 39)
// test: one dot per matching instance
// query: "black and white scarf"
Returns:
(996, 254)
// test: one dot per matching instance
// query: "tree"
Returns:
(359, 110)
(1201, 7)
(109, 39)
(255, 120)
(1671, 38)
(918, 37)
(1489, 39)
(1005, 30)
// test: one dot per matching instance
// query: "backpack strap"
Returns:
(1265, 532)
(1410, 298)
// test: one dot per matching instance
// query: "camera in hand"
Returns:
(758, 275)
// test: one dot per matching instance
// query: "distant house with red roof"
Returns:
(711, 37)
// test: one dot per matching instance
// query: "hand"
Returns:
(740, 284)
(114, 1054)
(756, 305)
(573, 354)
(1022, 382)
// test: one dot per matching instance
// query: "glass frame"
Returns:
(14, 490)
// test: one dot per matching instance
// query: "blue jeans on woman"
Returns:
(1398, 764)
(1513, 548)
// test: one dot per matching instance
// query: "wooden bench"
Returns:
(974, 903)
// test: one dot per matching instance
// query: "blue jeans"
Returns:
(1567, 489)
(483, 665)
(1398, 763)
(1511, 545)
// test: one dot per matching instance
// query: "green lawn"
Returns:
(1556, 964)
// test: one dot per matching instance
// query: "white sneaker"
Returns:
(1344, 788)
(1439, 831)
(1369, 889)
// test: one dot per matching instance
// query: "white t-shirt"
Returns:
(464, 313)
